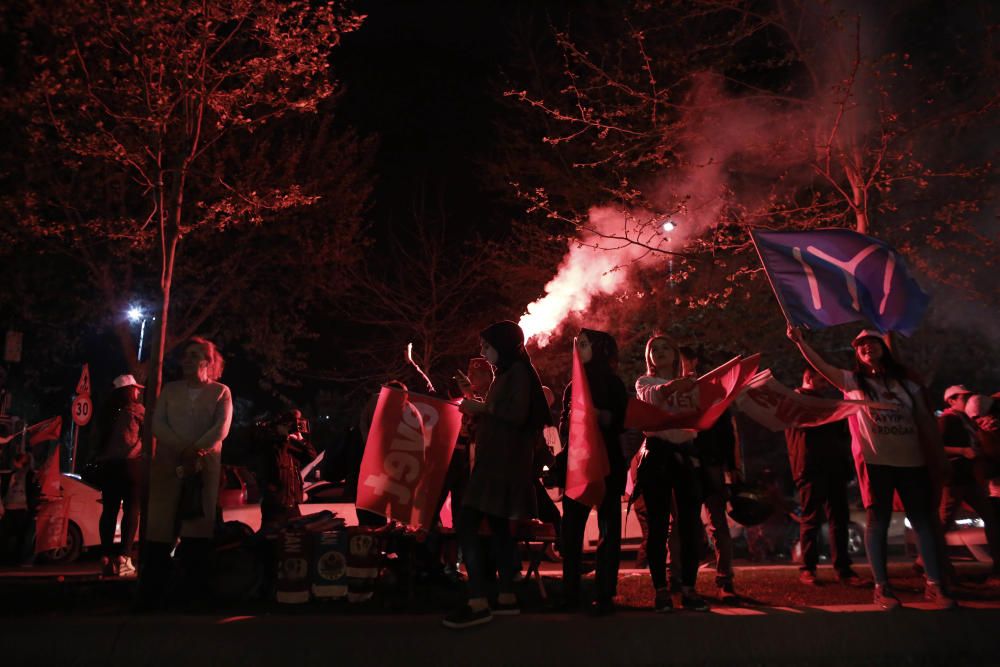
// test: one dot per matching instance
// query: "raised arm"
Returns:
(834, 375)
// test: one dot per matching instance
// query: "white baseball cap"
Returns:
(126, 381)
(955, 390)
(868, 333)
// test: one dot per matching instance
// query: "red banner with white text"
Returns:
(699, 408)
(772, 404)
(406, 456)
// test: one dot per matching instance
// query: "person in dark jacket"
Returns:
(280, 476)
(599, 354)
(501, 487)
(717, 449)
(120, 463)
(968, 483)
(820, 459)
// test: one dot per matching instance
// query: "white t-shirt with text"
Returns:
(884, 437)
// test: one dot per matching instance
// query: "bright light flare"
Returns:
(134, 314)
(669, 226)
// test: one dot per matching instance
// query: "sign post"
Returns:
(81, 411)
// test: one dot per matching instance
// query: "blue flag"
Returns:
(834, 276)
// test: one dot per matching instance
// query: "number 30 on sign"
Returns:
(82, 410)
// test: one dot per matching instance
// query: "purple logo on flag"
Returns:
(835, 276)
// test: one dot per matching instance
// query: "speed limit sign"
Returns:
(82, 410)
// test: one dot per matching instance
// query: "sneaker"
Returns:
(808, 577)
(506, 609)
(885, 598)
(935, 594)
(664, 602)
(467, 617)
(693, 602)
(726, 593)
(850, 578)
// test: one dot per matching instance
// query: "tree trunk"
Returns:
(155, 377)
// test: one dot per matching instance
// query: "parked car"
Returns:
(965, 539)
(318, 496)
(84, 516)
(239, 487)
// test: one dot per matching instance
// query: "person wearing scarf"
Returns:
(599, 354)
(500, 489)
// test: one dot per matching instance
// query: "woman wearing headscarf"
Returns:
(599, 355)
(500, 489)
(191, 420)
(893, 449)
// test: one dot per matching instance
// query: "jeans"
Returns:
(914, 488)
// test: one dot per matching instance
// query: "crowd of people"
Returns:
(678, 482)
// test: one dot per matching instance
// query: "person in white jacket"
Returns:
(191, 420)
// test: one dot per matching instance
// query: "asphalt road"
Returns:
(83, 620)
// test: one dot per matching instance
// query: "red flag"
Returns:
(406, 457)
(587, 458)
(49, 475)
(720, 387)
(50, 429)
(645, 417)
(713, 393)
(52, 525)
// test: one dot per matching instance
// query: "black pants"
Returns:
(476, 557)
(121, 488)
(823, 495)
(609, 548)
(664, 474)
(17, 536)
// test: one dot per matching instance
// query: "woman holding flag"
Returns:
(509, 423)
(597, 351)
(892, 451)
(669, 468)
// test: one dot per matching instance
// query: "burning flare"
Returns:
(595, 265)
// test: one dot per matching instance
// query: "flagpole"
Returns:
(777, 295)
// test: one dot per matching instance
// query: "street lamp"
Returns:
(135, 314)
(669, 226)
